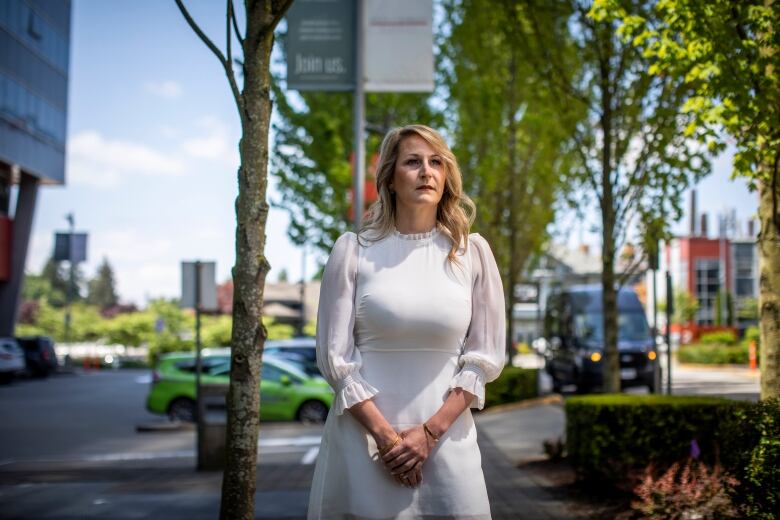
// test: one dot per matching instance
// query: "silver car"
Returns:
(11, 359)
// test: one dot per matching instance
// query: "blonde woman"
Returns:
(410, 328)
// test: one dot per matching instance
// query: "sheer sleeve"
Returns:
(337, 358)
(483, 353)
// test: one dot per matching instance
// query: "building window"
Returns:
(707, 286)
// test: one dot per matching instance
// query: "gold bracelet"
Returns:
(429, 432)
(384, 449)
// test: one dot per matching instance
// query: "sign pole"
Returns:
(669, 314)
(359, 117)
(198, 361)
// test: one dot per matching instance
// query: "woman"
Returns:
(410, 328)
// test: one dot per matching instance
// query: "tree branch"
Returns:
(280, 7)
(232, 15)
(221, 57)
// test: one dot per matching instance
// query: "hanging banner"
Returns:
(399, 45)
(321, 45)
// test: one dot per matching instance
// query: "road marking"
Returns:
(303, 440)
(310, 455)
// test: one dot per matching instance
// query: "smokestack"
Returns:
(704, 225)
(751, 228)
(693, 213)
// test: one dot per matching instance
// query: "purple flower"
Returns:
(695, 450)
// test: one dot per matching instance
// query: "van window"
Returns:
(632, 326)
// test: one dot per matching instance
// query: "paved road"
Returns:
(92, 416)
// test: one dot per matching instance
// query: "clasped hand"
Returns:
(405, 460)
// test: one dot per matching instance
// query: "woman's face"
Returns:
(419, 175)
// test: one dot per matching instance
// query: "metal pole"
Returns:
(198, 364)
(669, 313)
(71, 283)
(359, 120)
(657, 365)
(303, 292)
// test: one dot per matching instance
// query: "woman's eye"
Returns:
(413, 161)
(436, 162)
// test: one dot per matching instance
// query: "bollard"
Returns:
(752, 355)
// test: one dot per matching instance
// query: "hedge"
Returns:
(514, 384)
(714, 354)
(617, 436)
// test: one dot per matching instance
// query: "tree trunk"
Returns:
(611, 368)
(769, 297)
(249, 273)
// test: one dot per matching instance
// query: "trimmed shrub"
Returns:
(618, 436)
(714, 354)
(751, 451)
(612, 435)
(722, 337)
(514, 384)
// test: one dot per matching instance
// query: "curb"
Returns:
(166, 426)
(552, 399)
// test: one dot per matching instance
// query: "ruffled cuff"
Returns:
(471, 378)
(352, 390)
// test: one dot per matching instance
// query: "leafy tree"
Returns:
(283, 276)
(727, 53)
(312, 154)
(512, 143)
(253, 103)
(635, 160)
(102, 288)
(38, 287)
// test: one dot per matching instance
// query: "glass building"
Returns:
(34, 56)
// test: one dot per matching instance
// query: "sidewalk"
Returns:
(170, 488)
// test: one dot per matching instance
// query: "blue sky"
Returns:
(152, 152)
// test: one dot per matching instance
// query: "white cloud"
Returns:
(164, 89)
(96, 161)
(214, 144)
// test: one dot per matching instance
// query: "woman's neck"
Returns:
(421, 221)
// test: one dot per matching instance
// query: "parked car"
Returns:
(301, 350)
(39, 354)
(574, 329)
(11, 359)
(287, 392)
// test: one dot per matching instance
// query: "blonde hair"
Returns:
(455, 212)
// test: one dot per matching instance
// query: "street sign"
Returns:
(321, 45)
(71, 247)
(208, 285)
(399, 45)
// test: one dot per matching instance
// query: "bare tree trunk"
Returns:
(769, 297)
(611, 368)
(511, 196)
(249, 273)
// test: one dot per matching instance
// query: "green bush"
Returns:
(609, 435)
(755, 430)
(722, 337)
(713, 354)
(514, 384)
(617, 436)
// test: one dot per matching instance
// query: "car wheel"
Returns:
(313, 412)
(182, 409)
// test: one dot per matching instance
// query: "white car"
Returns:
(11, 359)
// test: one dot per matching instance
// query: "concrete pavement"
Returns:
(155, 478)
(168, 487)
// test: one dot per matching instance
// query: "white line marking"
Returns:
(310, 455)
(304, 440)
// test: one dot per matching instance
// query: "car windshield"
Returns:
(632, 326)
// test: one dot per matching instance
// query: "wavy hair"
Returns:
(455, 212)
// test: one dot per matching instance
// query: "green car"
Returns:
(287, 393)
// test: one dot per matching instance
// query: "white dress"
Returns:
(398, 323)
